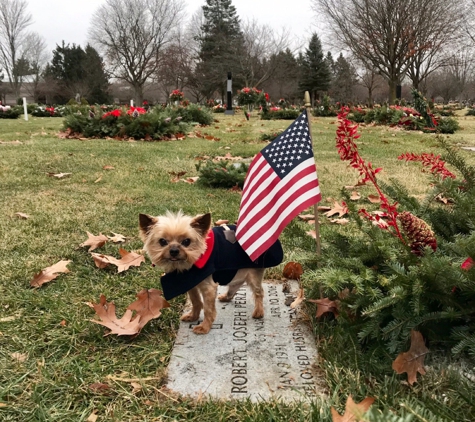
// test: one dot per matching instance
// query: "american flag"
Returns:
(281, 182)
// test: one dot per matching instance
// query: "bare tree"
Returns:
(261, 45)
(14, 20)
(36, 57)
(176, 65)
(388, 35)
(131, 34)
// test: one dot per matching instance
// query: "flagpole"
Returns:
(315, 207)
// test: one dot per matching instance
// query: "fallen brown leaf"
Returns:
(341, 221)
(94, 242)
(59, 175)
(22, 215)
(412, 361)
(148, 305)
(353, 411)
(355, 196)
(50, 273)
(117, 238)
(374, 199)
(325, 305)
(299, 299)
(125, 326)
(340, 209)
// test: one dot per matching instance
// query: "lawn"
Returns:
(54, 362)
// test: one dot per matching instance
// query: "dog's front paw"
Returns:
(201, 329)
(190, 316)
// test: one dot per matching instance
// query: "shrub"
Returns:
(248, 96)
(412, 267)
(269, 136)
(123, 123)
(10, 113)
(447, 125)
(470, 111)
(195, 113)
(222, 174)
(325, 108)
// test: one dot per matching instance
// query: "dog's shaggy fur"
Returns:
(174, 242)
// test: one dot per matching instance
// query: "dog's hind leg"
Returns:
(196, 305)
(254, 280)
(234, 286)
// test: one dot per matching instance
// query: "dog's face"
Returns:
(174, 241)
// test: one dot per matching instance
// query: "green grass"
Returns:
(60, 360)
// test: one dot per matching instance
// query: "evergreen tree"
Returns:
(284, 81)
(95, 77)
(78, 72)
(315, 72)
(344, 80)
(220, 43)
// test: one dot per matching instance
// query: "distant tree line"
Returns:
(144, 49)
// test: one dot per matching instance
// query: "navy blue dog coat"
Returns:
(224, 260)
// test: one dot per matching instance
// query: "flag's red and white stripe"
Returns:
(269, 203)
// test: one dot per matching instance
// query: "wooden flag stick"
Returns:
(308, 106)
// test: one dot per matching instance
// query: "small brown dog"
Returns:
(197, 258)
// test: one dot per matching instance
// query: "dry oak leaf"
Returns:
(127, 260)
(125, 326)
(374, 199)
(108, 167)
(341, 210)
(307, 217)
(148, 305)
(355, 196)
(341, 221)
(59, 175)
(22, 215)
(117, 238)
(325, 305)
(50, 273)
(353, 411)
(312, 233)
(292, 271)
(299, 299)
(94, 242)
(412, 361)
(176, 175)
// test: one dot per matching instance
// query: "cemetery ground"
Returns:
(56, 365)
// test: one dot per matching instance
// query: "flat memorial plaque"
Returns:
(242, 357)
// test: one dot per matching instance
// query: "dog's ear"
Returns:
(201, 223)
(145, 223)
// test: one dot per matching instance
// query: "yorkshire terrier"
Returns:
(196, 258)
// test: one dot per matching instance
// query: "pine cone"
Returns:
(418, 232)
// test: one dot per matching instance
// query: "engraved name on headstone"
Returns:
(242, 357)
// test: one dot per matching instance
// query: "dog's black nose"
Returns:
(174, 252)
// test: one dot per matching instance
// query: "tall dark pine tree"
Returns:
(315, 72)
(344, 80)
(220, 43)
(95, 77)
(78, 72)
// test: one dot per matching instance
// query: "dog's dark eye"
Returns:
(162, 242)
(186, 242)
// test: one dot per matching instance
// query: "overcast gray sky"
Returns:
(68, 20)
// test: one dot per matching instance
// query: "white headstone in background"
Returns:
(131, 103)
(25, 109)
(242, 357)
